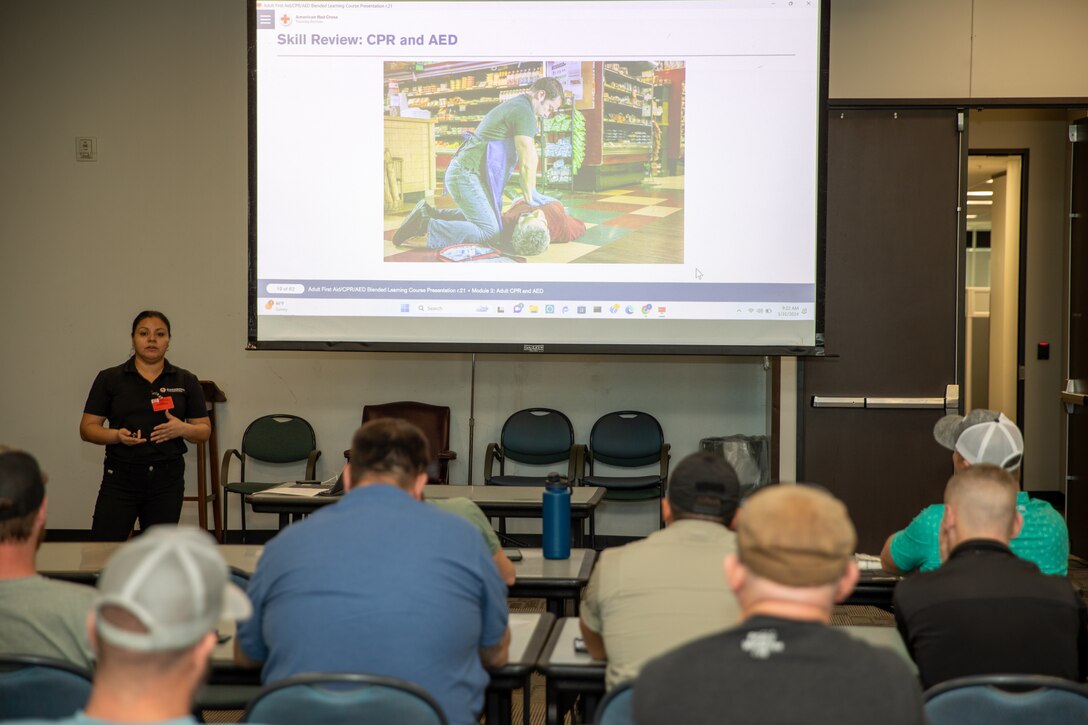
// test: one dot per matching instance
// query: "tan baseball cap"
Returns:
(796, 535)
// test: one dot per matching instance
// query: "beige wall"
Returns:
(961, 49)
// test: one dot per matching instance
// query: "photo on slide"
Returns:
(462, 140)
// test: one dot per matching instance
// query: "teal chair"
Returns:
(333, 699)
(615, 708)
(627, 440)
(279, 438)
(536, 437)
(42, 688)
(1007, 700)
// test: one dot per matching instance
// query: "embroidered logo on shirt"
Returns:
(762, 643)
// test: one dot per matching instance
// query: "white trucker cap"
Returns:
(175, 582)
(984, 436)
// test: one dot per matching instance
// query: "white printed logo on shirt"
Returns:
(762, 643)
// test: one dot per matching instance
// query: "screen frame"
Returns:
(528, 346)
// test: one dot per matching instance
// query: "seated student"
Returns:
(986, 611)
(40, 616)
(381, 583)
(653, 595)
(783, 664)
(468, 510)
(159, 600)
(984, 436)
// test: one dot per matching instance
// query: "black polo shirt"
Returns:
(127, 400)
(987, 611)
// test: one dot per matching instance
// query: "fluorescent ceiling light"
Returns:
(972, 216)
(980, 193)
(980, 202)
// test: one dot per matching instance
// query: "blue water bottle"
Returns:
(556, 517)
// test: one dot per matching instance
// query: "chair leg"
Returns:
(243, 507)
(226, 534)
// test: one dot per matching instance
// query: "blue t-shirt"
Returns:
(379, 584)
(1044, 539)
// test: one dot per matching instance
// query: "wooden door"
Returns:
(1073, 397)
(893, 315)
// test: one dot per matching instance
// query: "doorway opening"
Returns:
(996, 224)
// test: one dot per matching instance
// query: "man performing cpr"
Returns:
(479, 170)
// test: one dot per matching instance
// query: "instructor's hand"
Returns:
(128, 438)
(172, 428)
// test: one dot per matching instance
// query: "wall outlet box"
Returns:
(86, 148)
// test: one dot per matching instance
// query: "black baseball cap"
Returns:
(704, 484)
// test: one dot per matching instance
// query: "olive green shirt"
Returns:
(466, 509)
(513, 117)
(46, 618)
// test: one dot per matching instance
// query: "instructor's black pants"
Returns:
(149, 492)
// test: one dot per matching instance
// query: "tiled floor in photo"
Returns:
(638, 224)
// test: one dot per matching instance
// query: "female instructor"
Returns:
(151, 406)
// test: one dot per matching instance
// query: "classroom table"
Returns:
(497, 501)
(528, 633)
(875, 588)
(570, 674)
(559, 581)
(81, 561)
(888, 637)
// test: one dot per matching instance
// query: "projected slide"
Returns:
(468, 101)
(546, 176)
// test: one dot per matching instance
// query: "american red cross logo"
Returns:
(285, 19)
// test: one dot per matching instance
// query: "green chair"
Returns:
(279, 438)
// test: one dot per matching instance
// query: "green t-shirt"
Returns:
(513, 117)
(1044, 539)
(466, 509)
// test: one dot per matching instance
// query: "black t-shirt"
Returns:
(127, 400)
(987, 611)
(778, 671)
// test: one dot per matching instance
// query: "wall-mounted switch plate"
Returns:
(86, 148)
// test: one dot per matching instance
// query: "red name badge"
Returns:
(161, 404)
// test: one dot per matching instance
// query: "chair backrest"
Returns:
(279, 438)
(1012, 699)
(433, 420)
(615, 708)
(39, 687)
(627, 438)
(341, 698)
(537, 436)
